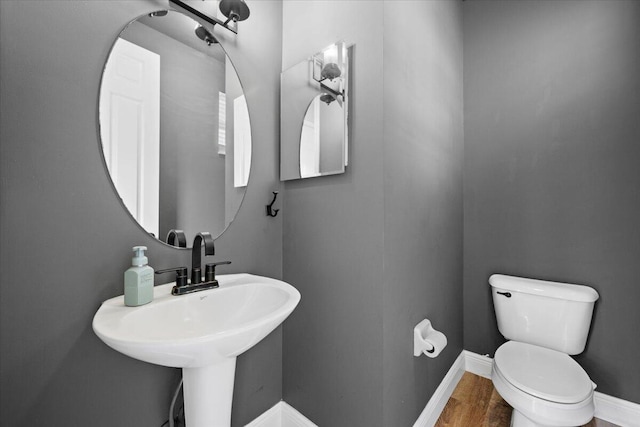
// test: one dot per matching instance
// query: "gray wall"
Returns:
(375, 250)
(332, 235)
(66, 239)
(551, 105)
(423, 143)
(552, 101)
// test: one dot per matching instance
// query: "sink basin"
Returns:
(197, 329)
(202, 333)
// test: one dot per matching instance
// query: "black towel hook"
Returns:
(270, 211)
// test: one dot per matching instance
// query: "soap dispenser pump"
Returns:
(138, 280)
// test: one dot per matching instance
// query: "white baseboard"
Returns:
(436, 404)
(292, 418)
(617, 411)
(608, 408)
(281, 415)
(477, 364)
(270, 418)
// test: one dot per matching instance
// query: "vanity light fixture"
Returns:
(233, 10)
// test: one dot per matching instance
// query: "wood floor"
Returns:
(475, 403)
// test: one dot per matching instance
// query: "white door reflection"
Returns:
(322, 138)
(130, 118)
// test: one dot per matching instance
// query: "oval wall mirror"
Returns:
(174, 127)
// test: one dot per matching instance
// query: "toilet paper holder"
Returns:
(427, 340)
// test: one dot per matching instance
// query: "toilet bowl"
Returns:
(545, 387)
(545, 322)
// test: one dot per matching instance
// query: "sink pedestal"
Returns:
(208, 393)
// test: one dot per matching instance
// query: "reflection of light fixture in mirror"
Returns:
(327, 64)
(329, 95)
(205, 35)
(330, 71)
(328, 68)
(327, 98)
(233, 10)
(158, 13)
(323, 70)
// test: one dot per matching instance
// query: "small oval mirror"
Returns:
(174, 126)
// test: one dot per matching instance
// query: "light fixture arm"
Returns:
(209, 19)
(331, 91)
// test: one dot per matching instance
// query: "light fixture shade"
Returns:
(330, 71)
(236, 10)
(205, 35)
(327, 98)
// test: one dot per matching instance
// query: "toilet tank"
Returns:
(549, 314)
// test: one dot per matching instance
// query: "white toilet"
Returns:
(544, 322)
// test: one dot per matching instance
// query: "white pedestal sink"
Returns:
(202, 333)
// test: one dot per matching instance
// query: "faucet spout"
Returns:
(177, 236)
(196, 264)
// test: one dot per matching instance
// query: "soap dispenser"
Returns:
(138, 280)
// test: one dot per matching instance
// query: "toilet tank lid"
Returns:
(579, 293)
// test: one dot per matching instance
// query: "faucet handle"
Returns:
(181, 275)
(210, 270)
(196, 275)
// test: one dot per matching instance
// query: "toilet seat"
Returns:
(543, 373)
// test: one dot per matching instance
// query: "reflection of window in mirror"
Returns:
(241, 142)
(222, 123)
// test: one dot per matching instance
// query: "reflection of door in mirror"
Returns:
(332, 137)
(322, 138)
(130, 127)
(310, 141)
